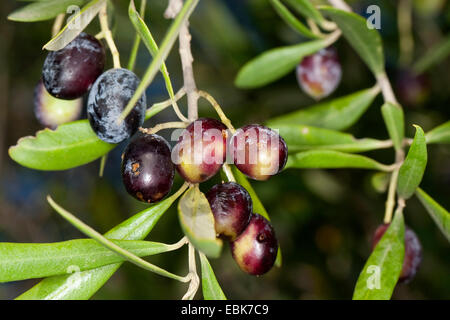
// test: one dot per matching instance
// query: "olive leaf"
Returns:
(75, 25)
(382, 270)
(210, 287)
(395, 123)
(336, 114)
(42, 10)
(291, 20)
(413, 168)
(275, 63)
(307, 9)
(82, 285)
(258, 207)
(367, 42)
(440, 134)
(20, 261)
(328, 159)
(197, 222)
(439, 215)
(301, 137)
(433, 56)
(70, 145)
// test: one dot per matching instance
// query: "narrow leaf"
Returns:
(197, 222)
(440, 134)
(367, 42)
(42, 10)
(300, 138)
(19, 261)
(329, 159)
(307, 9)
(440, 216)
(258, 207)
(395, 123)
(210, 287)
(84, 284)
(274, 64)
(411, 172)
(433, 56)
(382, 270)
(75, 25)
(336, 114)
(291, 20)
(70, 145)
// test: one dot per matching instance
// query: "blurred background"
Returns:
(324, 219)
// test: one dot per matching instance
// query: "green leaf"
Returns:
(75, 25)
(411, 172)
(367, 42)
(395, 123)
(291, 20)
(20, 261)
(70, 145)
(210, 287)
(329, 159)
(258, 207)
(382, 270)
(336, 114)
(276, 63)
(433, 56)
(42, 10)
(197, 222)
(82, 285)
(300, 138)
(440, 216)
(307, 9)
(440, 134)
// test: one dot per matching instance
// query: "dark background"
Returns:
(324, 219)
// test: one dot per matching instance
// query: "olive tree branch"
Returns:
(186, 59)
(103, 17)
(161, 126)
(193, 276)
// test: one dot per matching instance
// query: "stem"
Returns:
(218, 109)
(386, 88)
(90, 232)
(390, 202)
(158, 107)
(57, 24)
(188, 72)
(162, 54)
(137, 39)
(227, 170)
(314, 28)
(194, 279)
(161, 126)
(404, 14)
(102, 165)
(103, 17)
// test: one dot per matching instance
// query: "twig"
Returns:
(103, 17)
(340, 4)
(386, 88)
(188, 73)
(161, 126)
(193, 276)
(227, 170)
(218, 109)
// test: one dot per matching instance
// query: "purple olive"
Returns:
(70, 72)
(201, 150)
(255, 250)
(320, 73)
(232, 207)
(258, 152)
(147, 171)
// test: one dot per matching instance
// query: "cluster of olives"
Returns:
(149, 164)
